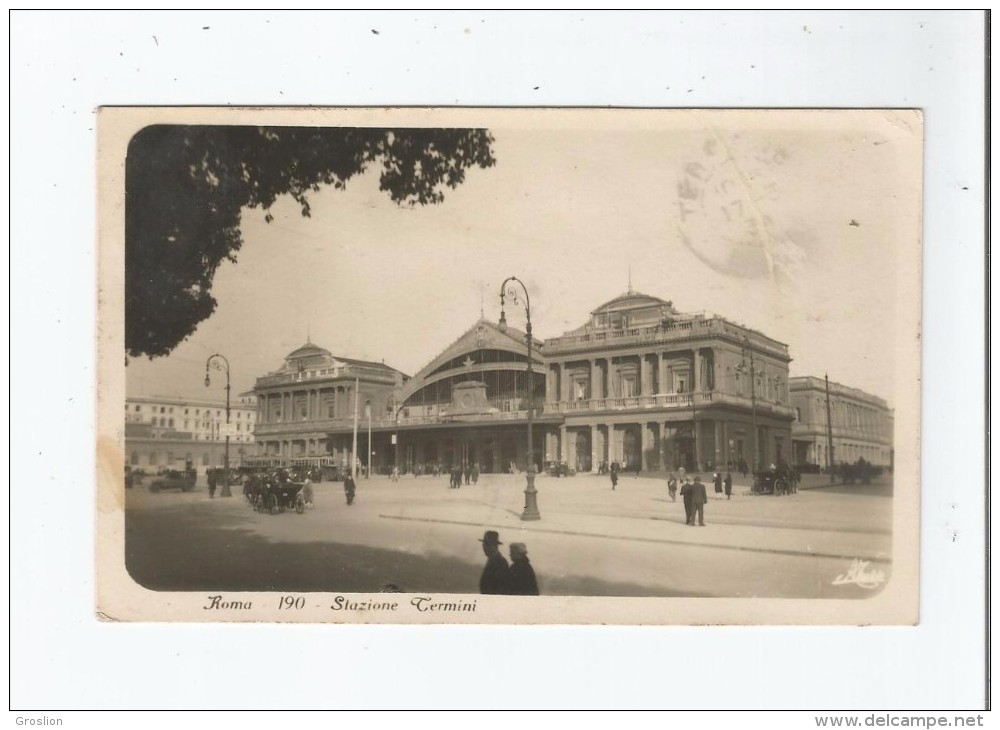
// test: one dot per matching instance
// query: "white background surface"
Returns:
(64, 65)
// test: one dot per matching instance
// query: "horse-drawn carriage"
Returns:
(274, 494)
(776, 482)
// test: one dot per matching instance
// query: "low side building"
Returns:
(166, 433)
(862, 425)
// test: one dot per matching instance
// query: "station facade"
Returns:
(638, 383)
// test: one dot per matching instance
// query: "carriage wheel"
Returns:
(272, 502)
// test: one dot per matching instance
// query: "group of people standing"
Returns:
(499, 577)
(694, 494)
(459, 472)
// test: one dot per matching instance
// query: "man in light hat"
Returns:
(522, 575)
(496, 575)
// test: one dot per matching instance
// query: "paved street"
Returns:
(422, 536)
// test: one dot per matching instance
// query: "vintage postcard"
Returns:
(509, 366)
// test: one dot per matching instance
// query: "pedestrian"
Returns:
(211, 483)
(672, 486)
(698, 500)
(307, 493)
(522, 575)
(395, 473)
(614, 475)
(495, 579)
(717, 479)
(475, 473)
(349, 488)
(466, 473)
(728, 483)
(686, 497)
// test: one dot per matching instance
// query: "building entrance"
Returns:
(631, 448)
(583, 451)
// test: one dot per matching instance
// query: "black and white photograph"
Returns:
(492, 365)
(479, 360)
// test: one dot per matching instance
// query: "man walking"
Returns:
(349, 488)
(495, 579)
(728, 482)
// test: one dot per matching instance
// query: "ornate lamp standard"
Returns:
(530, 495)
(694, 431)
(217, 361)
(742, 367)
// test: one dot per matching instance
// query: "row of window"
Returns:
(197, 411)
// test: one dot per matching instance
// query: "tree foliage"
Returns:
(186, 186)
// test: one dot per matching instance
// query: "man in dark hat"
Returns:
(686, 488)
(496, 575)
(698, 500)
(349, 488)
(522, 575)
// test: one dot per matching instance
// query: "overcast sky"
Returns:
(802, 225)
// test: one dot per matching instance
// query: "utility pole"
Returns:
(829, 432)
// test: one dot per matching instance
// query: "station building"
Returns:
(639, 383)
(862, 424)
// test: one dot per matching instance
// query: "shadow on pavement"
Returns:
(192, 552)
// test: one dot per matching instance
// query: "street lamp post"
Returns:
(747, 349)
(530, 495)
(395, 436)
(217, 361)
(694, 431)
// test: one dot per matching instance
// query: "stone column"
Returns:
(595, 380)
(696, 371)
(595, 458)
(644, 444)
(645, 386)
(562, 442)
(550, 378)
(724, 448)
(564, 391)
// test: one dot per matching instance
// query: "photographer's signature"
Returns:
(861, 575)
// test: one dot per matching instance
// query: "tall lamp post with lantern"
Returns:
(530, 494)
(219, 362)
(751, 369)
